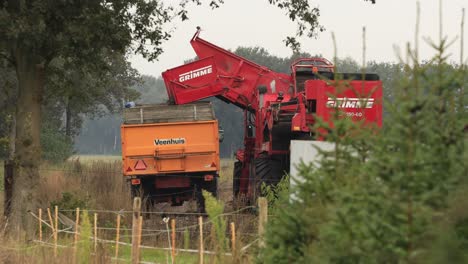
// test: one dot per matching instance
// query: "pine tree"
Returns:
(374, 198)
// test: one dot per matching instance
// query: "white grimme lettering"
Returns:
(350, 102)
(195, 73)
(169, 141)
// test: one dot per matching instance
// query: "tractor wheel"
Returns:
(268, 171)
(236, 174)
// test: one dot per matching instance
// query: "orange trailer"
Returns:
(170, 153)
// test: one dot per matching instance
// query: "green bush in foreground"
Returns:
(215, 209)
(380, 197)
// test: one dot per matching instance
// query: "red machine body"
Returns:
(278, 107)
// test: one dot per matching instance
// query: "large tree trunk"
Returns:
(30, 73)
(9, 169)
(12, 138)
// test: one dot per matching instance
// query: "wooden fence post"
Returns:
(40, 224)
(117, 237)
(200, 224)
(262, 219)
(75, 240)
(135, 225)
(56, 228)
(233, 239)
(52, 225)
(95, 232)
(173, 238)
(140, 227)
(50, 220)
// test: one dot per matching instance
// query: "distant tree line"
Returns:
(89, 122)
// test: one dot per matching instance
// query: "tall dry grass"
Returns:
(97, 184)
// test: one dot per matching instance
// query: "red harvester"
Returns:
(278, 107)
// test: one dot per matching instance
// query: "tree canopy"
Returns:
(39, 37)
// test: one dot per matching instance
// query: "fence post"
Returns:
(75, 244)
(40, 224)
(52, 225)
(95, 232)
(173, 244)
(262, 219)
(233, 239)
(56, 219)
(135, 225)
(200, 224)
(50, 219)
(117, 237)
(140, 227)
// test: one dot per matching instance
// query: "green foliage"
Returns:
(447, 238)
(288, 231)
(56, 147)
(276, 193)
(186, 239)
(73, 58)
(4, 147)
(2, 181)
(84, 247)
(82, 90)
(7, 103)
(69, 202)
(215, 209)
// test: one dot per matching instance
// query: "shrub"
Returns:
(69, 202)
(215, 209)
(375, 197)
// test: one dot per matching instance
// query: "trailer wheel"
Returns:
(135, 191)
(144, 193)
(211, 187)
(269, 171)
(236, 174)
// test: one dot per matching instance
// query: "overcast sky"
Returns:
(388, 23)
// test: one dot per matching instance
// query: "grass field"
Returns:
(91, 158)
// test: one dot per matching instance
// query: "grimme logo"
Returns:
(350, 102)
(169, 141)
(195, 73)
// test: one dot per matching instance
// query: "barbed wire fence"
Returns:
(56, 228)
(121, 234)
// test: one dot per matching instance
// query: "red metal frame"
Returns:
(171, 181)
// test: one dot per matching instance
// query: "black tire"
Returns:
(135, 191)
(236, 174)
(211, 187)
(268, 171)
(144, 193)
